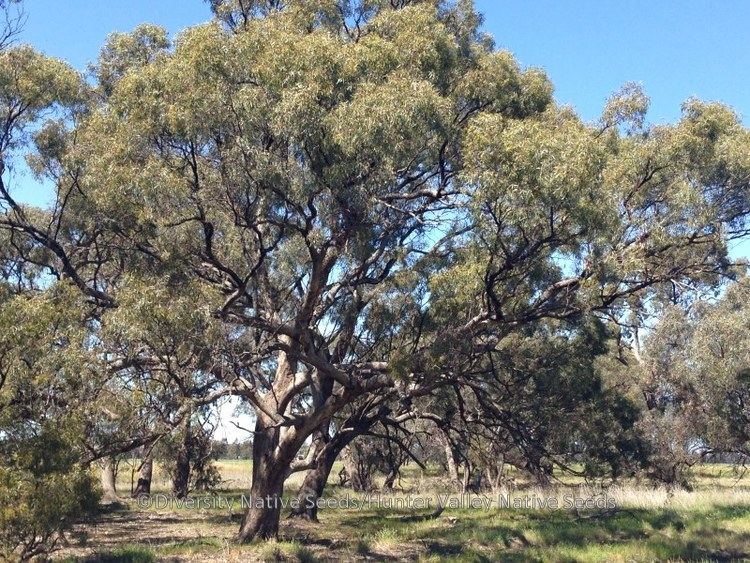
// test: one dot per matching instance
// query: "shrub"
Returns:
(43, 491)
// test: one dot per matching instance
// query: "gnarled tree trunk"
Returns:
(276, 444)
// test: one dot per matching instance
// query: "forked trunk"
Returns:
(261, 519)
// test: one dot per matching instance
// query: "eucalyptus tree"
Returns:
(546, 397)
(719, 360)
(693, 381)
(43, 249)
(326, 201)
(286, 217)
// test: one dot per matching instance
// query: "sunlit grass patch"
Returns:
(192, 546)
(124, 554)
(284, 551)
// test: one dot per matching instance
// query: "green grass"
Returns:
(629, 535)
(125, 554)
(709, 524)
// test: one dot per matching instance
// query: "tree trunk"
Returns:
(143, 487)
(108, 478)
(181, 476)
(495, 473)
(393, 461)
(450, 460)
(359, 470)
(312, 488)
(542, 478)
(390, 480)
(540, 470)
(466, 482)
(261, 519)
(316, 479)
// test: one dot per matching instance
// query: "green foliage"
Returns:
(44, 488)
(43, 492)
(31, 84)
(123, 51)
(693, 380)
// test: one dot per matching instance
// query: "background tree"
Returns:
(693, 385)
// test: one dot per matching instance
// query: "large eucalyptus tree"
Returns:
(305, 204)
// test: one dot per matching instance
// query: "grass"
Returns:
(125, 554)
(711, 523)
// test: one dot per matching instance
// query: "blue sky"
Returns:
(589, 48)
(675, 49)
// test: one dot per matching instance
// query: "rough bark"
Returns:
(390, 479)
(450, 460)
(143, 486)
(466, 481)
(312, 488)
(316, 478)
(275, 445)
(542, 475)
(261, 519)
(358, 471)
(540, 469)
(181, 476)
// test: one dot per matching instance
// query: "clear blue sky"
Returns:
(676, 49)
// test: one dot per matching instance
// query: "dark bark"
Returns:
(390, 479)
(261, 519)
(312, 488)
(181, 475)
(542, 475)
(143, 486)
(329, 450)
(540, 469)
(316, 478)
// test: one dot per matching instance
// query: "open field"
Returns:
(711, 523)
